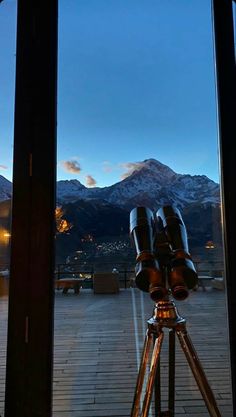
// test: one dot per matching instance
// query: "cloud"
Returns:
(90, 181)
(130, 167)
(71, 166)
(107, 167)
(3, 167)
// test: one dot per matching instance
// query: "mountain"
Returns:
(104, 212)
(5, 189)
(104, 222)
(84, 220)
(95, 217)
(152, 184)
(70, 190)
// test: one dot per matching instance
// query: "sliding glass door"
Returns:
(137, 126)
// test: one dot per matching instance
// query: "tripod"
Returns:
(166, 316)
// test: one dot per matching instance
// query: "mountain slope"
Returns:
(104, 212)
(5, 189)
(152, 184)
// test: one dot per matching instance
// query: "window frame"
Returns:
(30, 352)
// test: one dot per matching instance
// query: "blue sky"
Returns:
(135, 81)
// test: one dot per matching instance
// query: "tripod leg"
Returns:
(171, 399)
(198, 373)
(157, 386)
(152, 373)
(141, 374)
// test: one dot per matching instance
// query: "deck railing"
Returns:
(126, 272)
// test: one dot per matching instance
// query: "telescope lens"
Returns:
(149, 278)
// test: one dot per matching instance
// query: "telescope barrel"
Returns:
(182, 275)
(142, 229)
(149, 277)
(174, 227)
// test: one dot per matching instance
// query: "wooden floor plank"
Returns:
(98, 342)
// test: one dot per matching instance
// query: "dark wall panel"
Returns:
(29, 356)
(226, 94)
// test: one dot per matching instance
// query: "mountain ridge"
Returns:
(149, 183)
(5, 188)
(104, 212)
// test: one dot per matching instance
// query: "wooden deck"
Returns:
(98, 342)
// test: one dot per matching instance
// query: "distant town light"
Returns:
(87, 238)
(209, 245)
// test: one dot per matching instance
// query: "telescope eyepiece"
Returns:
(157, 292)
(179, 292)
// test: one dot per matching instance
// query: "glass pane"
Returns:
(234, 17)
(7, 91)
(137, 127)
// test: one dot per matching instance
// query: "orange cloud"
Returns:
(107, 167)
(3, 167)
(71, 166)
(90, 181)
(130, 167)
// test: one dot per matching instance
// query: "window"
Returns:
(7, 82)
(136, 126)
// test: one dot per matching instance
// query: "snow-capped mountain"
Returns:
(5, 189)
(70, 190)
(152, 184)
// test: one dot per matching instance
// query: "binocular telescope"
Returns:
(163, 260)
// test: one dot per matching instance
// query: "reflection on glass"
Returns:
(137, 127)
(234, 17)
(7, 88)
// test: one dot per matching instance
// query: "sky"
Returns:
(135, 81)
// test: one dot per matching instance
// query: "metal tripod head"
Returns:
(163, 263)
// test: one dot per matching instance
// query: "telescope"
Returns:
(163, 261)
(165, 269)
